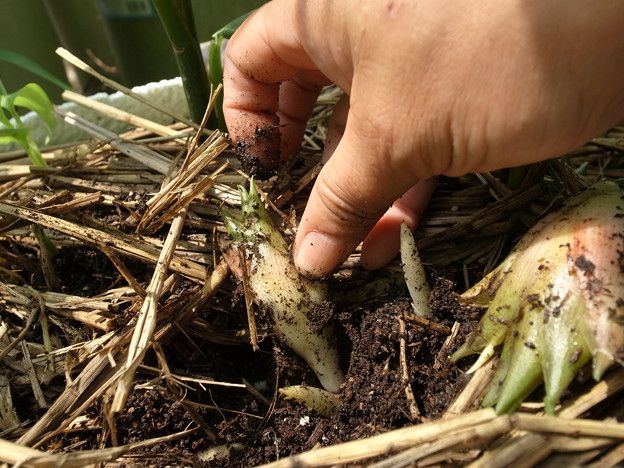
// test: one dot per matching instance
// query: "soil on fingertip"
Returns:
(260, 155)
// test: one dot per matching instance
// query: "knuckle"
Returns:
(469, 148)
(341, 207)
(425, 148)
(377, 130)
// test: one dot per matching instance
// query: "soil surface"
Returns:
(373, 398)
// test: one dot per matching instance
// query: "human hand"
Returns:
(435, 88)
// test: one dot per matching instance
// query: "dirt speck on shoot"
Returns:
(414, 273)
(556, 303)
(279, 288)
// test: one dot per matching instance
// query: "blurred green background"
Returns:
(122, 39)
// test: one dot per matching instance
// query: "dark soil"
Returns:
(373, 396)
(84, 271)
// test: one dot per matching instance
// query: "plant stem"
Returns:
(47, 253)
(216, 77)
(177, 19)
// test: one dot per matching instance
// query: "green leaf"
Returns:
(44, 241)
(4, 120)
(229, 29)
(34, 98)
(33, 152)
(216, 77)
(22, 137)
(12, 135)
(24, 62)
(525, 372)
(7, 102)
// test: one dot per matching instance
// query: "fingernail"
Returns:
(317, 254)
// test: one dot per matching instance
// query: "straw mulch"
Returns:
(147, 202)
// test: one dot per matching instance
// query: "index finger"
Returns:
(265, 52)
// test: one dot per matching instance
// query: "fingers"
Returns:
(297, 98)
(336, 127)
(382, 244)
(250, 111)
(259, 57)
(351, 193)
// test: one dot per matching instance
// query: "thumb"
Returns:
(354, 188)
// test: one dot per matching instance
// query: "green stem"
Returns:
(216, 77)
(177, 19)
(47, 253)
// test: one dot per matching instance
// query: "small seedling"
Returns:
(31, 97)
(414, 272)
(316, 399)
(278, 288)
(34, 98)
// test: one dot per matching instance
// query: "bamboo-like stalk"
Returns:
(468, 437)
(16, 454)
(428, 438)
(572, 427)
(612, 458)
(177, 19)
(24, 456)
(572, 443)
